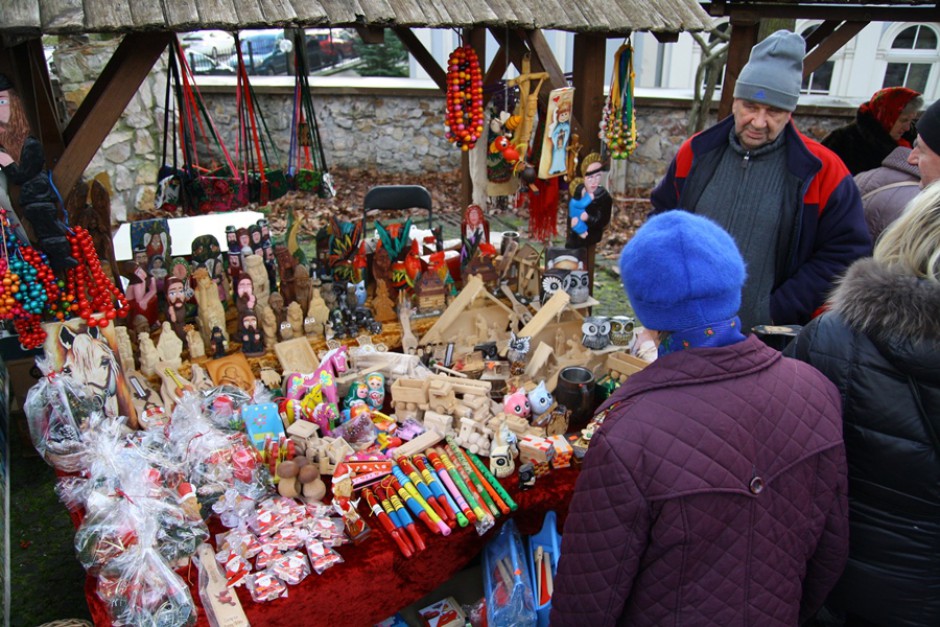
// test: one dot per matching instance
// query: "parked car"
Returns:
(326, 47)
(213, 43)
(264, 51)
(206, 65)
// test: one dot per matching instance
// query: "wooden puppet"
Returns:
(23, 161)
(590, 205)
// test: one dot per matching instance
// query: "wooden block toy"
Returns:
(563, 451)
(535, 450)
(424, 441)
(623, 365)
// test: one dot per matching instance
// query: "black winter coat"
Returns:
(880, 345)
(861, 145)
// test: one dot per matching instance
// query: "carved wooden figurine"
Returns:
(318, 310)
(211, 312)
(148, 354)
(125, 348)
(279, 307)
(295, 317)
(383, 305)
(285, 268)
(254, 266)
(268, 326)
(249, 334)
(303, 286)
(197, 348)
(169, 346)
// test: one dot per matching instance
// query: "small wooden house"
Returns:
(485, 267)
(430, 292)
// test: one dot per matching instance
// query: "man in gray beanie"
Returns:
(789, 203)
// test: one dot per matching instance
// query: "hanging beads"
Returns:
(91, 289)
(464, 98)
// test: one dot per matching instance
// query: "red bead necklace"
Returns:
(90, 287)
(464, 98)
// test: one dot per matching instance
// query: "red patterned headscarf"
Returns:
(886, 105)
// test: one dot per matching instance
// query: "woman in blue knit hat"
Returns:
(714, 491)
(879, 342)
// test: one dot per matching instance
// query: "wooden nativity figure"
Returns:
(249, 334)
(590, 205)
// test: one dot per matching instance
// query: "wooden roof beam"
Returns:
(831, 45)
(424, 58)
(106, 101)
(755, 10)
(25, 63)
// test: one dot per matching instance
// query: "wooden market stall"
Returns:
(146, 29)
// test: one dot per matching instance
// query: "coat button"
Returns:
(757, 485)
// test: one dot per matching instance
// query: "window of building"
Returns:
(911, 57)
(820, 79)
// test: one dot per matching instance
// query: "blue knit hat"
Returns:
(774, 73)
(682, 271)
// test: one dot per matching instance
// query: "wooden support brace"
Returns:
(424, 58)
(119, 81)
(830, 45)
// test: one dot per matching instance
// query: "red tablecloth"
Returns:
(376, 580)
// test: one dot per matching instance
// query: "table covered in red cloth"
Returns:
(376, 580)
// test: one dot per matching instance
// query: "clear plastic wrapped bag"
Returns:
(56, 408)
(140, 589)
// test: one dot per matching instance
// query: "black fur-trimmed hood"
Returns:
(890, 307)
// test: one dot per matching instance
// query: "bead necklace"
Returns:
(464, 98)
(90, 288)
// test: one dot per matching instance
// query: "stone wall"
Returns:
(391, 131)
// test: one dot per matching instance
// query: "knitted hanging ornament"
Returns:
(543, 194)
(543, 209)
(618, 123)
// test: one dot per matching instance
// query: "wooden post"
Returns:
(743, 37)
(588, 68)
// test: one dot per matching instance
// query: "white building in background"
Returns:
(883, 54)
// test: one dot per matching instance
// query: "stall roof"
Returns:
(60, 17)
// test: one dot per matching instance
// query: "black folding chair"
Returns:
(397, 198)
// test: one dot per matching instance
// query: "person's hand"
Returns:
(5, 159)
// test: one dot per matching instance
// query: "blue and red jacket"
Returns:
(830, 234)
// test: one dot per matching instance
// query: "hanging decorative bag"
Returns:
(264, 183)
(618, 123)
(307, 169)
(214, 187)
(172, 181)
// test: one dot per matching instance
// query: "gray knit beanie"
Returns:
(928, 127)
(774, 73)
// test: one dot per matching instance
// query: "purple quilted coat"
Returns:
(713, 494)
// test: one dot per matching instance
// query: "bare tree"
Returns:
(714, 57)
